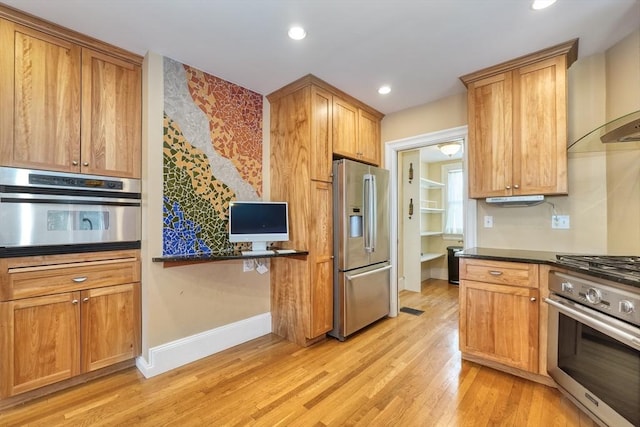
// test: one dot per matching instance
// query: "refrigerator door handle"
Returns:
(373, 212)
(370, 215)
(355, 276)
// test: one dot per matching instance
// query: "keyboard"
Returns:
(267, 252)
(286, 251)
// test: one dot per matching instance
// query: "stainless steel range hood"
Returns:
(629, 132)
(622, 133)
(515, 201)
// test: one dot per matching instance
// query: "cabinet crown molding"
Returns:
(31, 21)
(569, 48)
(309, 80)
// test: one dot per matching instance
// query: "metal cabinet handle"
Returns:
(75, 301)
(85, 164)
(85, 299)
(495, 273)
(74, 163)
(79, 279)
(532, 299)
(508, 187)
(516, 186)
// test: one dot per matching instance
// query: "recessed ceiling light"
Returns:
(383, 90)
(297, 33)
(541, 4)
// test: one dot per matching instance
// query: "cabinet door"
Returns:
(369, 137)
(321, 260)
(500, 323)
(110, 325)
(39, 100)
(345, 129)
(540, 128)
(111, 116)
(40, 341)
(321, 135)
(490, 136)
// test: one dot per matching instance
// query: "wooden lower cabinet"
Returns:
(500, 323)
(110, 325)
(87, 326)
(40, 338)
(55, 337)
(500, 317)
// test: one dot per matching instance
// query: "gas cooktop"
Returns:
(607, 266)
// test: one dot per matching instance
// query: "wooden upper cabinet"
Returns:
(369, 137)
(68, 103)
(345, 129)
(518, 125)
(40, 100)
(356, 132)
(540, 127)
(321, 135)
(111, 115)
(490, 129)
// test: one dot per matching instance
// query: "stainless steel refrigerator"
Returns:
(361, 277)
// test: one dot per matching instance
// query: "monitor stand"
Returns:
(258, 248)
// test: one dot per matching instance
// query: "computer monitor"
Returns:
(258, 222)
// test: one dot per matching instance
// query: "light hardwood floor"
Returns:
(404, 371)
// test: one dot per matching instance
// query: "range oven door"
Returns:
(595, 359)
(48, 220)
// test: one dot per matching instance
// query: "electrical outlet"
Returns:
(488, 221)
(248, 265)
(560, 222)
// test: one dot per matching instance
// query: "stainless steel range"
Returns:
(594, 335)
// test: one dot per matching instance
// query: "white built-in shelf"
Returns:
(431, 233)
(430, 257)
(427, 183)
(431, 210)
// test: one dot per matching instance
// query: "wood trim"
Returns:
(569, 48)
(310, 79)
(46, 390)
(542, 379)
(67, 34)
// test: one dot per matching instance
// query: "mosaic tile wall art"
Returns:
(212, 154)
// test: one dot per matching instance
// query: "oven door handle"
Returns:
(66, 200)
(581, 316)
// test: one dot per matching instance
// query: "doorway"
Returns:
(392, 152)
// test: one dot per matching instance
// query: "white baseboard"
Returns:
(189, 349)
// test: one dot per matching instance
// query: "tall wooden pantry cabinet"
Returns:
(309, 119)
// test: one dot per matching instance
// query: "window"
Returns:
(454, 218)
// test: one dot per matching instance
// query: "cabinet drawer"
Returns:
(24, 282)
(499, 272)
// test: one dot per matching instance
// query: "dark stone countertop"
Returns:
(513, 255)
(221, 257)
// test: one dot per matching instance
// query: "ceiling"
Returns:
(418, 47)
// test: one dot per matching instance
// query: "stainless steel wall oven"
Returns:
(594, 338)
(43, 212)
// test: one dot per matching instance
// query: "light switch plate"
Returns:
(560, 222)
(488, 221)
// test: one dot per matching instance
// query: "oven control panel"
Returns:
(599, 294)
